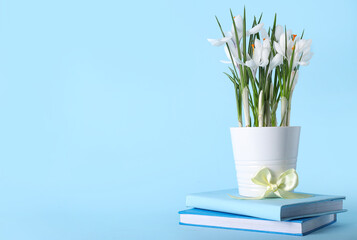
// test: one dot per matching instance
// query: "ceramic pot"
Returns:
(256, 147)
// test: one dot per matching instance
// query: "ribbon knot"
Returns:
(282, 187)
(273, 187)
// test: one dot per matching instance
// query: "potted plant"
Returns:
(264, 69)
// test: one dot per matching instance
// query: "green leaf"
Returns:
(230, 78)
(236, 35)
(244, 37)
(274, 28)
(244, 77)
(220, 27)
(233, 73)
(253, 82)
(260, 18)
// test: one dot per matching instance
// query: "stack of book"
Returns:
(275, 215)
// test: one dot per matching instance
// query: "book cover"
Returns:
(205, 218)
(270, 208)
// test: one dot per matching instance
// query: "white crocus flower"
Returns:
(260, 56)
(238, 20)
(302, 52)
(280, 45)
(233, 52)
(303, 45)
(221, 41)
(230, 39)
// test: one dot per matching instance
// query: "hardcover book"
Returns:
(270, 208)
(205, 218)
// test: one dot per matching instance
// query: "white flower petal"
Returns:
(300, 44)
(276, 61)
(290, 44)
(251, 64)
(303, 63)
(304, 45)
(282, 40)
(278, 48)
(256, 29)
(307, 45)
(257, 51)
(215, 42)
(265, 54)
(264, 62)
(308, 42)
(218, 42)
(233, 49)
(257, 44)
(221, 41)
(237, 61)
(239, 26)
(278, 31)
(306, 50)
(266, 43)
(307, 56)
(227, 52)
(238, 20)
(264, 35)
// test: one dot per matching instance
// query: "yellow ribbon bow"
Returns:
(287, 181)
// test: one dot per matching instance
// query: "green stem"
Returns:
(239, 105)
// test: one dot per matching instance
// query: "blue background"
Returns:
(111, 112)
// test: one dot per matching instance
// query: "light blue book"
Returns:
(271, 208)
(205, 218)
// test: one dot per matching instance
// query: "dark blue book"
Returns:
(213, 219)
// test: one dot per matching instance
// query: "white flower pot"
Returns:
(256, 147)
